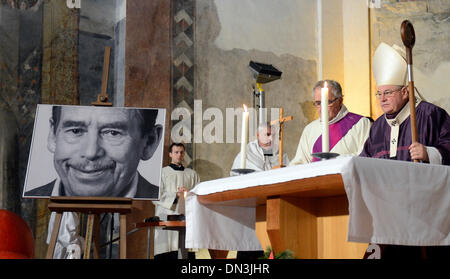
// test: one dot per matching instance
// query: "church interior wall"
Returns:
(228, 37)
(51, 54)
(355, 37)
(332, 41)
(20, 90)
(147, 84)
(431, 57)
(344, 33)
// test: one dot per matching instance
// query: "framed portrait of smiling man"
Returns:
(96, 152)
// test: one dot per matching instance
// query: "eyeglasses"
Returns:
(387, 93)
(330, 102)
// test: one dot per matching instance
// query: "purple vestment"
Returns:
(433, 129)
(337, 131)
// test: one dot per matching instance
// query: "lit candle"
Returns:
(244, 137)
(324, 118)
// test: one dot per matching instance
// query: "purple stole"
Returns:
(337, 131)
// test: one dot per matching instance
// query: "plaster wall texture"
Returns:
(229, 34)
(20, 87)
(431, 55)
(102, 23)
(39, 58)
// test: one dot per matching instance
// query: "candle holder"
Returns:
(325, 155)
(243, 171)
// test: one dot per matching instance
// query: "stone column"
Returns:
(9, 182)
(147, 84)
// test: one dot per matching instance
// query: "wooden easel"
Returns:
(281, 120)
(93, 206)
(102, 98)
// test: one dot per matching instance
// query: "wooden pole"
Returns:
(409, 38)
(87, 247)
(54, 236)
(102, 98)
(280, 151)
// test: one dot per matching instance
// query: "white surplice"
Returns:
(256, 160)
(167, 241)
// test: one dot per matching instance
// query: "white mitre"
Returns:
(389, 66)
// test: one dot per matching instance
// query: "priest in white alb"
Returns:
(175, 181)
(347, 131)
(262, 153)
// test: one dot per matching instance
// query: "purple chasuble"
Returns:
(433, 129)
(337, 131)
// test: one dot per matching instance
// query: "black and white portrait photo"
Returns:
(96, 152)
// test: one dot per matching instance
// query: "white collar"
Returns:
(395, 123)
(402, 115)
(133, 189)
(56, 188)
(341, 114)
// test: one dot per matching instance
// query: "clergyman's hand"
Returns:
(418, 152)
(181, 191)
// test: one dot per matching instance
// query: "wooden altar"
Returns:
(308, 216)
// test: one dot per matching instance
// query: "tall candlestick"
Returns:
(324, 118)
(244, 137)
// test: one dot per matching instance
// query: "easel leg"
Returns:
(96, 236)
(54, 237)
(87, 247)
(150, 242)
(149, 235)
(123, 236)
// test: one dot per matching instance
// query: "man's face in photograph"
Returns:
(97, 151)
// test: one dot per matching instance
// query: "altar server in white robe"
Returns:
(262, 153)
(175, 181)
(347, 131)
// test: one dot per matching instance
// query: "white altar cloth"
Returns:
(390, 202)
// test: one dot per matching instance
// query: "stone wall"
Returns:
(102, 23)
(431, 55)
(20, 84)
(49, 54)
(228, 35)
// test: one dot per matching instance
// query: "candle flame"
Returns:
(245, 108)
(185, 194)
